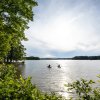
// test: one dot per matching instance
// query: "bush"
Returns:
(13, 88)
(84, 90)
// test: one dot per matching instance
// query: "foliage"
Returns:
(13, 88)
(14, 18)
(16, 53)
(4, 44)
(85, 90)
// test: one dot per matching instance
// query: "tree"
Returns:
(4, 44)
(16, 53)
(14, 18)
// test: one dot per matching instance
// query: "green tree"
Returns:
(16, 53)
(4, 44)
(14, 18)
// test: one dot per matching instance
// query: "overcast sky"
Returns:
(64, 28)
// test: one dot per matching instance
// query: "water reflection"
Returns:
(53, 79)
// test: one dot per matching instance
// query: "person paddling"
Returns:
(49, 66)
(59, 66)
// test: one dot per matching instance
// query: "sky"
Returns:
(64, 28)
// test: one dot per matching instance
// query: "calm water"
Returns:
(54, 79)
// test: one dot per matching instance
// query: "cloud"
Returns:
(64, 26)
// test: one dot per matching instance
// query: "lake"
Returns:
(54, 79)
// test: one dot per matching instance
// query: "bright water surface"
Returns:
(54, 79)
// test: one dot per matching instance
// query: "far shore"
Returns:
(72, 58)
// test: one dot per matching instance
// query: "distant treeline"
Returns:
(86, 58)
(75, 58)
(32, 58)
(55, 58)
